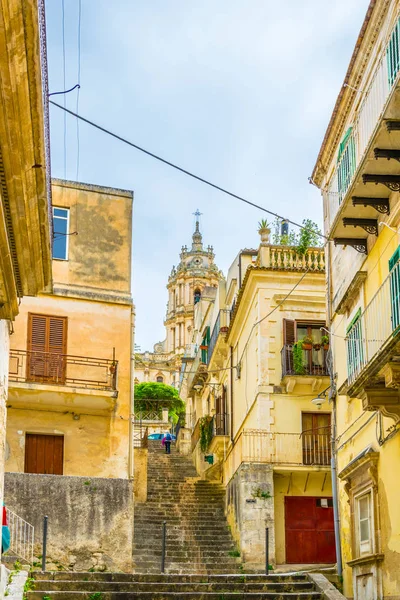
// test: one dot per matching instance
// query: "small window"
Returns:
(160, 379)
(197, 296)
(60, 233)
(364, 524)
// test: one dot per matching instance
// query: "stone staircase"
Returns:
(119, 586)
(198, 537)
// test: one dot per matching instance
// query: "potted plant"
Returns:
(325, 342)
(317, 346)
(298, 364)
(264, 230)
(203, 347)
(307, 342)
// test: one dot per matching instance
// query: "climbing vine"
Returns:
(206, 432)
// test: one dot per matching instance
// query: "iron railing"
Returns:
(221, 326)
(375, 327)
(291, 449)
(150, 415)
(371, 110)
(220, 424)
(314, 362)
(141, 437)
(30, 366)
(21, 537)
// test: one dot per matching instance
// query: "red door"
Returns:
(310, 537)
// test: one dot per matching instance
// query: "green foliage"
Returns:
(263, 224)
(147, 392)
(206, 431)
(46, 598)
(29, 586)
(260, 493)
(298, 364)
(308, 237)
(234, 553)
(96, 596)
(325, 339)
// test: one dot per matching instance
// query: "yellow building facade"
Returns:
(264, 438)
(25, 197)
(360, 182)
(70, 399)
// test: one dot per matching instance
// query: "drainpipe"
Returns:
(335, 499)
(131, 397)
(231, 371)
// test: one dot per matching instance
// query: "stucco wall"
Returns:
(90, 519)
(4, 358)
(249, 515)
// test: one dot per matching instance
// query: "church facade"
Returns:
(187, 282)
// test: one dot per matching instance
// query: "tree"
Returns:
(154, 396)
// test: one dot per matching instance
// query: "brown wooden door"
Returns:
(309, 530)
(47, 347)
(316, 430)
(44, 454)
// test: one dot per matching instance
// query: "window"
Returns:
(355, 350)
(394, 268)
(60, 235)
(316, 438)
(364, 524)
(160, 379)
(346, 162)
(47, 347)
(197, 296)
(393, 54)
(204, 346)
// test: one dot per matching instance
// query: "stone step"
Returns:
(174, 595)
(102, 586)
(170, 579)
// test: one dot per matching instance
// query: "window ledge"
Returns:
(368, 558)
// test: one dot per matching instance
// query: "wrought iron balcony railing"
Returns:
(29, 366)
(371, 110)
(287, 449)
(221, 326)
(314, 362)
(377, 326)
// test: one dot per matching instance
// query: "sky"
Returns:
(238, 92)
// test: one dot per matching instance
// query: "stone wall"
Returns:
(140, 480)
(90, 522)
(249, 512)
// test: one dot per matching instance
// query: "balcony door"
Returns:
(220, 413)
(47, 346)
(316, 436)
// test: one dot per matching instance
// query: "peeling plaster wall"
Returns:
(94, 529)
(4, 360)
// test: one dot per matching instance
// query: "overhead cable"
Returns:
(178, 168)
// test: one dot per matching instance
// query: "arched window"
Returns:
(197, 296)
(160, 379)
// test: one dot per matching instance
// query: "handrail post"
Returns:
(44, 551)
(267, 550)
(164, 539)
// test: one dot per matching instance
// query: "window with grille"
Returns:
(346, 162)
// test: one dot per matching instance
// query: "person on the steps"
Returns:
(167, 442)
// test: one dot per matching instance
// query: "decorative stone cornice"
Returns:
(351, 293)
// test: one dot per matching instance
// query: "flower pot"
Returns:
(203, 347)
(264, 235)
(307, 346)
(326, 347)
(317, 347)
(112, 369)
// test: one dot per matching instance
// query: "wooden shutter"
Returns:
(47, 346)
(289, 329)
(44, 454)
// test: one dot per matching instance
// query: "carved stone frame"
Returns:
(360, 477)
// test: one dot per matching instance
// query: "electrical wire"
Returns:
(182, 170)
(64, 87)
(356, 432)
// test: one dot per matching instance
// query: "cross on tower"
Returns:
(197, 214)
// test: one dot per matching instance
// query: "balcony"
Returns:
(220, 435)
(53, 381)
(286, 451)
(373, 350)
(312, 371)
(284, 258)
(217, 348)
(364, 173)
(197, 371)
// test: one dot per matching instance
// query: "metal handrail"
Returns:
(22, 535)
(221, 325)
(308, 369)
